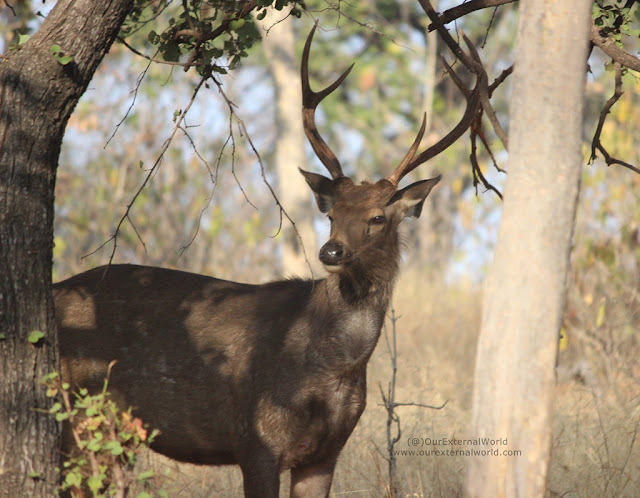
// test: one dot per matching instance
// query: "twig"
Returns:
(282, 211)
(150, 173)
(390, 405)
(596, 144)
(478, 176)
(186, 65)
(133, 101)
(466, 8)
(214, 180)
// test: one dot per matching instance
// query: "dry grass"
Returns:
(595, 452)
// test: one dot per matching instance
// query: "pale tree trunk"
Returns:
(433, 236)
(37, 96)
(293, 192)
(524, 294)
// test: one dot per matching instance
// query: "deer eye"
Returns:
(330, 219)
(377, 220)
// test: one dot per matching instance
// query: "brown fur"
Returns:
(270, 377)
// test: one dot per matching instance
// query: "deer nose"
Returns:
(332, 253)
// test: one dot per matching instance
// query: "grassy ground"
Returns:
(595, 452)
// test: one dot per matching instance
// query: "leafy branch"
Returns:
(212, 36)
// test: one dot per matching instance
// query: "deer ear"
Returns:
(323, 189)
(410, 199)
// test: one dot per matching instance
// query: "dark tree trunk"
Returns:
(37, 96)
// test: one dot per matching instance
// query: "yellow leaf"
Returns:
(600, 317)
(564, 340)
(456, 186)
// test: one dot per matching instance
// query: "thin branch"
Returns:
(214, 177)
(283, 212)
(466, 8)
(500, 79)
(486, 103)
(478, 176)
(423, 406)
(150, 173)
(186, 65)
(473, 65)
(133, 101)
(596, 144)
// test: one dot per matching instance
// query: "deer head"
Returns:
(364, 218)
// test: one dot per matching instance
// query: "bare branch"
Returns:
(466, 8)
(214, 181)
(596, 144)
(245, 133)
(500, 79)
(133, 101)
(420, 405)
(150, 173)
(484, 99)
(478, 176)
(186, 65)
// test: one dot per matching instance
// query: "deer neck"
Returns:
(354, 306)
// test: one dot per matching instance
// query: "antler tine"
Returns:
(399, 173)
(473, 100)
(310, 101)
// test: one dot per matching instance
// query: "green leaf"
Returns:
(35, 337)
(22, 39)
(170, 51)
(218, 69)
(96, 483)
(147, 474)
(35, 475)
(55, 48)
(237, 24)
(61, 416)
(64, 60)
(73, 478)
(114, 447)
(94, 445)
(3, 336)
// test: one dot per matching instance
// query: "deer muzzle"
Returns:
(333, 255)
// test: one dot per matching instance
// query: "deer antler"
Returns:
(310, 101)
(409, 163)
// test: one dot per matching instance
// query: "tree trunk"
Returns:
(293, 192)
(37, 96)
(525, 288)
(433, 236)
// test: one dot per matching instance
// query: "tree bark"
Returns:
(525, 288)
(293, 192)
(37, 96)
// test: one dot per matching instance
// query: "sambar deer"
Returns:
(270, 377)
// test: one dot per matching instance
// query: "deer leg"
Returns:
(313, 480)
(261, 477)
